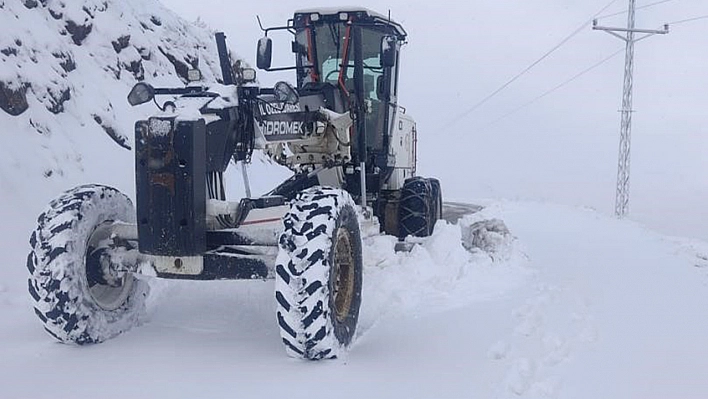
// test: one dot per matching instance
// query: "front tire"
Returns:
(77, 299)
(319, 274)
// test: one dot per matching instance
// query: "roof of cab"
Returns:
(354, 9)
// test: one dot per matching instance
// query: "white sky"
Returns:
(563, 147)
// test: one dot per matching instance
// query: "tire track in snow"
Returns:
(693, 251)
(551, 325)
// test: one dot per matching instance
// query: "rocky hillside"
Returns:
(66, 67)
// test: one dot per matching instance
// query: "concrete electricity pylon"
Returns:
(628, 36)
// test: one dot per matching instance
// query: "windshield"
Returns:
(327, 55)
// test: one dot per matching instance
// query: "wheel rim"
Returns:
(108, 294)
(343, 290)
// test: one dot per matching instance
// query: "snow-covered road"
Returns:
(621, 309)
(581, 306)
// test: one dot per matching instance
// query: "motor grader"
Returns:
(340, 129)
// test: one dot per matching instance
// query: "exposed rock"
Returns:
(40, 128)
(121, 43)
(120, 139)
(91, 12)
(33, 56)
(136, 68)
(67, 61)
(78, 32)
(9, 51)
(58, 99)
(87, 11)
(30, 4)
(155, 20)
(55, 14)
(115, 69)
(144, 52)
(181, 66)
(56, 171)
(13, 101)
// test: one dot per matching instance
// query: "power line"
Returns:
(583, 72)
(638, 8)
(555, 88)
(683, 21)
(456, 119)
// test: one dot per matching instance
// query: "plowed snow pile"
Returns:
(438, 274)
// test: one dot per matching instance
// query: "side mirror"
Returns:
(388, 51)
(285, 93)
(141, 93)
(264, 53)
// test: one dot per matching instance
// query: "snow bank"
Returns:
(439, 274)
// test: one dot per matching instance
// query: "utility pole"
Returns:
(628, 36)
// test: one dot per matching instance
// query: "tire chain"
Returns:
(415, 208)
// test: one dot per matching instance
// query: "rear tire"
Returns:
(74, 297)
(319, 274)
(420, 207)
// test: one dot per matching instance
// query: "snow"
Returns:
(350, 9)
(572, 304)
(581, 306)
(160, 127)
(337, 10)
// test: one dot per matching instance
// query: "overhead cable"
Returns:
(637, 8)
(580, 28)
(558, 87)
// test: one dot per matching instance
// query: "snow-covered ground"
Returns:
(578, 305)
